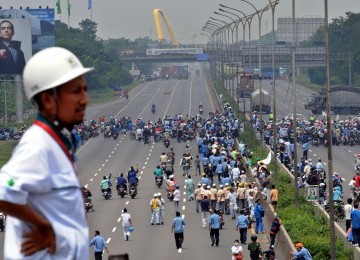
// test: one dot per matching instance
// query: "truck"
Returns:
(263, 99)
(246, 85)
(165, 72)
(344, 101)
(182, 72)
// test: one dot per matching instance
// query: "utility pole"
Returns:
(328, 127)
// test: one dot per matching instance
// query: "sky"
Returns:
(134, 18)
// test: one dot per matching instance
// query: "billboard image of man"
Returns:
(12, 60)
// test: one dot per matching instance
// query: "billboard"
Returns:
(42, 25)
(15, 45)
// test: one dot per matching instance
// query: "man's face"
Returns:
(6, 31)
(72, 101)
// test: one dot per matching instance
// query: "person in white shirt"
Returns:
(348, 208)
(235, 173)
(236, 249)
(126, 223)
(176, 197)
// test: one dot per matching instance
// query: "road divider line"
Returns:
(91, 179)
(103, 165)
(183, 208)
(183, 216)
(95, 174)
(99, 169)
(113, 230)
(106, 160)
(108, 240)
(119, 219)
(127, 202)
(86, 185)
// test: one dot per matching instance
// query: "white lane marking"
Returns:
(184, 200)
(119, 219)
(95, 174)
(150, 150)
(143, 167)
(112, 151)
(147, 158)
(183, 208)
(113, 230)
(99, 169)
(139, 177)
(127, 202)
(86, 185)
(114, 148)
(110, 156)
(108, 240)
(310, 151)
(184, 193)
(149, 154)
(314, 154)
(145, 162)
(117, 145)
(183, 216)
(325, 164)
(106, 160)
(349, 151)
(103, 165)
(91, 179)
(141, 172)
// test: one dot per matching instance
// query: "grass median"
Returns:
(302, 223)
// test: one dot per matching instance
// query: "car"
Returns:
(298, 117)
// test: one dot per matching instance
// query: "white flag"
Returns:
(267, 160)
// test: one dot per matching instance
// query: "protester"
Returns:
(177, 228)
(255, 249)
(214, 226)
(126, 223)
(242, 224)
(274, 229)
(301, 253)
(236, 251)
(99, 245)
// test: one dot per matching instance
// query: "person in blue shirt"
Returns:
(99, 245)
(121, 182)
(259, 214)
(242, 224)
(214, 226)
(355, 222)
(305, 147)
(177, 228)
(301, 253)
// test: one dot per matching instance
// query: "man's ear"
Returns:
(48, 102)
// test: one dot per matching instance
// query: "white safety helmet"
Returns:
(49, 69)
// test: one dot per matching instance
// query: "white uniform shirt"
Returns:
(125, 217)
(44, 179)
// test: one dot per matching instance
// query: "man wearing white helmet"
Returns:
(39, 190)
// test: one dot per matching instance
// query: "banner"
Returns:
(267, 160)
(89, 4)
(68, 7)
(58, 7)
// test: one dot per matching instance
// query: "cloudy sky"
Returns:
(134, 18)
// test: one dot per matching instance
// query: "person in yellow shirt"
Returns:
(274, 196)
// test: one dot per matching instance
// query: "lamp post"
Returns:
(294, 107)
(273, 5)
(328, 126)
(259, 14)
(230, 52)
(219, 29)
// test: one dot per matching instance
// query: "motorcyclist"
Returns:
(163, 158)
(132, 178)
(105, 185)
(86, 194)
(158, 172)
(121, 182)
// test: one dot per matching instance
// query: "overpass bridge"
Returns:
(236, 54)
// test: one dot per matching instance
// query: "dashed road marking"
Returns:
(106, 160)
(110, 156)
(118, 220)
(183, 215)
(91, 179)
(113, 230)
(86, 185)
(108, 240)
(103, 165)
(184, 200)
(99, 169)
(183, 208)
(145, 163)
(95, 174)
(139, 177)
(127, 202)
(112, 151)
(143, 167)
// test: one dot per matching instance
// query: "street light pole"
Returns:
(294, 107)
(328, 126)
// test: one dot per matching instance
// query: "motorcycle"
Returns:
(159, 181)
(115, 135)
(107, 134)
(339, 212)
(201, 110)
(2, 222)
(153, 110)
(106, 194)
(133, 191)
(166, 143)
(121, 191)
(88, 205)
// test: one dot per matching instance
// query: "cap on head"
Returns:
(49, 69)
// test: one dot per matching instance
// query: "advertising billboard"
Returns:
(15, 45)
(42, 25)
